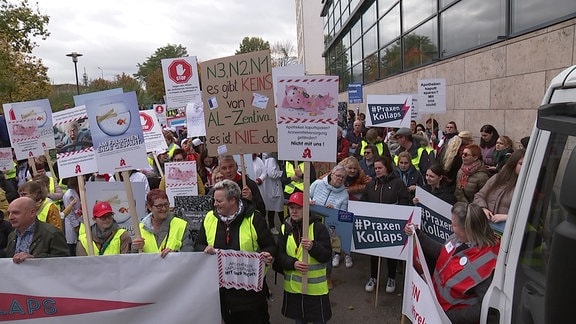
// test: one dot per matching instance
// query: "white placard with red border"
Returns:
(41, 112)
(6, 159)
(160, 110)
(24, 138)
(181, 82)
(195, 119)
(181, 180)
(240, 270)
(379, 228)
(388, 110)
(75, 156)
(307, 118)
(153, 137)
(117, 133)
(112, 289)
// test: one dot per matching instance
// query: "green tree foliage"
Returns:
(252, 44)
(22, 76)
(150, 71)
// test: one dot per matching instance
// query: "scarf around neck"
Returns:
(466, 171)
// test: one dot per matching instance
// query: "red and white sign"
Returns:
(153, 137)
(180, 71)
(181, 82)
(159, 109)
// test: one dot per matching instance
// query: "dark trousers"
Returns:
(392, 265)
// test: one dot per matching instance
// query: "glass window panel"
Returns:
(383, 6)
(356, 52)
(421, 45)
(353, 5)
(369, 17)
(346, 40)
(415, 11)
(346, 59)
(389, 26)
(345, 14)
(470, 23)
(337, 8)
(357, 73)
(444, 3)
(356, 31)
(370, 41)
(371, 68)
(345, 79)
(390, 60)
(531, 13)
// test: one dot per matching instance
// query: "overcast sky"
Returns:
(116, 35)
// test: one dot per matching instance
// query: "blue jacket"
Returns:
(323, 193)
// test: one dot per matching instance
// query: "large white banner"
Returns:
(130, 288)
(378, 229)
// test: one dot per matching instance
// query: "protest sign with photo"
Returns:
(181, 179)
(195, 119)
(193, 209)
(117, 133)
(239, 105)
(339, 224)
(388, 110)
(378, 229)
(81, 99)
(307, 118)
(436, 216)
(6, 159)
(74, 146)
(24, 138)
(181, 82)
(153, 137)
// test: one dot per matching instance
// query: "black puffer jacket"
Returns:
(386, 190)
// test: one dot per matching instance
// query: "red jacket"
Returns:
(457, 273)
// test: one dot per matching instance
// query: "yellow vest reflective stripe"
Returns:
(151, 162)
(175, 234)
(415, 160)
(112, 248)
(171, 149)
(247, 236)
(290, 172)
(379, 146)
(44, 208)
(317, 284)
(11, 174)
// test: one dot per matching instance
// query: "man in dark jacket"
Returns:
(234, 217)
(32, 238)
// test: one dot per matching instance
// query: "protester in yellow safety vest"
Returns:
(54, 191)
(314, 305)
(293, 177)
(407, 144)
(170, 141)
(161, 231)
(46, 210)
(372, 138)
(236, 224)
(108, 238)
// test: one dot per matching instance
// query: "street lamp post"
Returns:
(101, 71)
(75, 57)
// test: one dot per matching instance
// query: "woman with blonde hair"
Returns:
(450, 155)
(503, 150)
(356, 178)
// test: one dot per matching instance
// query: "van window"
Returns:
(545, 214)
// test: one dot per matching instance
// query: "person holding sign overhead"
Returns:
(108, 238)
(314, 306)
(161, 231)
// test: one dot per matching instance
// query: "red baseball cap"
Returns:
(297, 198)
(101, 208)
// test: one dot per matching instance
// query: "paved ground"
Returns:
(350, 303)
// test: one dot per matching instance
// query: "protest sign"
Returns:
(6, 159)
(115, 193)
(193, 209)
(195, 119)
(282, 71)
(117, 133)
(153, 137)
(355, 93)
(307, 118)
(339, 223)
(379, 228)
(160, 110)
(436, 216)
(388, 110)
(18, 114)
(127, 288)
(81, 99)
(239, 105)
(74, 147)
(433, 94)
(419, 302)
(240, 270)
(181, 82)
(181, 180)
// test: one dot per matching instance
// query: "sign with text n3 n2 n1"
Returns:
(388, 110)
(432, 93)
(355, 93)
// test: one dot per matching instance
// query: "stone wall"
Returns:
(501, 84)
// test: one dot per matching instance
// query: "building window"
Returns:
(356, 52)
(421, 45)
(369, 17)
(531, 13)
(370, 40)
(445, 3)
(383, 6)
(357, 73)
(346, 40)
(353, 5)
(356, 31)
(345, 14)
(371, 68)
(415, 11)
(390, 60)
(483, 22)
(389, 26)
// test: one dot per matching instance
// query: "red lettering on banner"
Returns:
(415, 292)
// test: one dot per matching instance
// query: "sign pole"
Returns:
(158, 164)
(243, 170)
(32, 164)
(49, 161)
(85, 219)
(131, 204)
(377, 283)
(305, 221)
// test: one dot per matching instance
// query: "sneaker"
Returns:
(391, 286)
(348, 261)
(274, 231)
(336, 260)
(370, 285)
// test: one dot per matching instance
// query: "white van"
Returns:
(535, 278)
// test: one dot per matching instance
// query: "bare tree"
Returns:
(283, 54)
